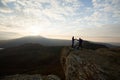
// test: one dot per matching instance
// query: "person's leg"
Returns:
(81, 46)
(72, 44)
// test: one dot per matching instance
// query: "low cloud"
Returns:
(8, 35)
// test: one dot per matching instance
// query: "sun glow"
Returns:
(34, 31)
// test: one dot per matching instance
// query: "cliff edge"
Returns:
(86, 64)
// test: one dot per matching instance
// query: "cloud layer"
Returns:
(61, 17)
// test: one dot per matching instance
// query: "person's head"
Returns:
(73, 37)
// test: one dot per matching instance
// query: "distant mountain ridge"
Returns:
(48, 42)
(33, 39)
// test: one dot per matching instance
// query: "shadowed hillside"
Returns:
(31, 59)
(92, 45)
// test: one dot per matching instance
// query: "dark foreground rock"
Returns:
(31, 77)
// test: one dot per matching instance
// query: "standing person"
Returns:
(73, 42)
(80, 43)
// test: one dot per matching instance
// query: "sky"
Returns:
(95, 20)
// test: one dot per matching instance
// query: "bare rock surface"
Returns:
(81, 65)
(31, 77)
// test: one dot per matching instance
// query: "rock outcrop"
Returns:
(80, 65)
(31, 77)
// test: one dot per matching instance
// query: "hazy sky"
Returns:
(60, 18)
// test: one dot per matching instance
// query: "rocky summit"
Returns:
(87, 64)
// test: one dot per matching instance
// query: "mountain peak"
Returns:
(33, 37)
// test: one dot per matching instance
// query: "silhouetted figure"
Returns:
(73, 42)
(80, 43)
